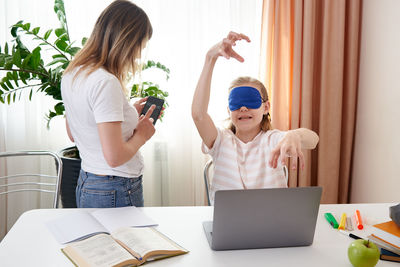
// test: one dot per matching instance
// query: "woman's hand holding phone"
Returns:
(159, 103)
(145, 128)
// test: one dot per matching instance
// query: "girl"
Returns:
(245, 155)
(104, 126)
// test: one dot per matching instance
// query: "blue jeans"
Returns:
(95, 191)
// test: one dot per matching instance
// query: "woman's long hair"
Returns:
(266, 120)
(116, 42)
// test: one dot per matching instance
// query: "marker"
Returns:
(349, 224)
(342, 224)
(350, 234)
(358, 220)
(331, 220)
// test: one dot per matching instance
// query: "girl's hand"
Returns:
(140, 104)
(145, 128)
(289, 146)
(224, 48)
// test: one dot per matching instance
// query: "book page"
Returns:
(100, 251)
(143, 240)
(75, 226)
(115, 218)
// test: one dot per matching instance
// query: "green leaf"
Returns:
(59, 32)
(24, 76)
(6, 49)
(21, 46)
(2, 84)
(14, 95)
(2, 60)
(35, 31)
(61, 17)
(8, 64)
(73, 50)
(47, 34)
(57, 60)
(57, 56)
(26, 61)
(35, 60)
(14, 31)
(84, 40)
(17, 58)
(59, 108)
(8, 98)
(15, 78)
(59, 5)
(9, 76)
(65, 65)
(30, 94)
(61, 45)
(26, 26)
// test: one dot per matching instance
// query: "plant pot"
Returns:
(70, 174)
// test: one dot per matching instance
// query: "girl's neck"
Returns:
(247, 136)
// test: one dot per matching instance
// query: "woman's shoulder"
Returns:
(88, 74)
(101, 74)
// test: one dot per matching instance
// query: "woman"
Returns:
(106, 129)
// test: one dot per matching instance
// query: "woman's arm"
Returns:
(115, 150)
(291, 146)
(201, 98)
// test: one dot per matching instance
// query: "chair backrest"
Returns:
(207, 179)
(29, 183)
(208, 174)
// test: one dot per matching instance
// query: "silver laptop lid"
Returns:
(262, 218)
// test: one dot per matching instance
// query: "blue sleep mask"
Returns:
(244, 96)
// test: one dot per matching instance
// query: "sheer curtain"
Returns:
(183, 32)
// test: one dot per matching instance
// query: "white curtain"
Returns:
(183, 31)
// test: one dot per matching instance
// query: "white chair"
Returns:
(208, 179)
(31, 181)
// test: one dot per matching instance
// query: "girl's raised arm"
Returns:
(201, 98)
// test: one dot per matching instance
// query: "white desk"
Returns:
(29, 243)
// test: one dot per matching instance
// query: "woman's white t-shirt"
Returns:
(92, 99)
(239, 165)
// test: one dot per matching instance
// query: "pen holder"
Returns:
(394, 212)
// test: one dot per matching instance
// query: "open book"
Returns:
(125, 246)
(82, 223)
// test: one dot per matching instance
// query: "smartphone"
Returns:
(151, 100)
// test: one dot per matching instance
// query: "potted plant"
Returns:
(26, 69)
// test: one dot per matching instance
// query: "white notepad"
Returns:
(84, 223)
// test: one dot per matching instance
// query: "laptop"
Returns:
(263, 218)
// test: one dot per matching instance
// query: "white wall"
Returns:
(376, 168)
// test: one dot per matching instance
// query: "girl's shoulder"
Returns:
(273, 136)
(273, 131)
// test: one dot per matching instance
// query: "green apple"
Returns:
(363, 253)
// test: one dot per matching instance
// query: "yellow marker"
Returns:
(342, 224)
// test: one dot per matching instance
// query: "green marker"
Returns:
(331, 220)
